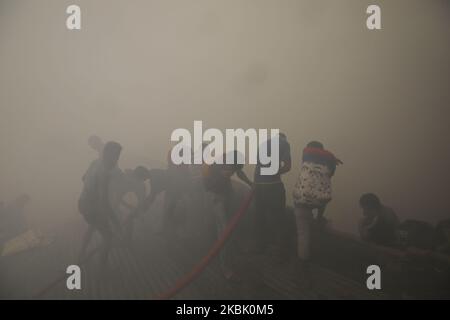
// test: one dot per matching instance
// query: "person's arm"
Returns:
(285, 160)
(366, 226)
(364, 230)
(241, 175)
(285, 166)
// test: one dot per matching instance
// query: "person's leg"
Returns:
(197, 198)
(303, 217)
(282, 227)
(170, 201)
(275, 210)
(260, 225)
(320, 218)
(274, 205)
(107, 238)
(220, 215)
(279, 212)
(112, 224)
(129, 227)
(85, 242)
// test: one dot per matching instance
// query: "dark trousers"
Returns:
(270, 205)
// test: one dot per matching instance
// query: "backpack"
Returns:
(313, 186)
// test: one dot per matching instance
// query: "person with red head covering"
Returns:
(312, 191)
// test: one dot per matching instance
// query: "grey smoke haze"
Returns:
(139, 69)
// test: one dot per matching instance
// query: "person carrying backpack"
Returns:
(312, 191)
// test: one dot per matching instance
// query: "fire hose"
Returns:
(215, 249)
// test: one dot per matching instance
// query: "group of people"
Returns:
(381, 226)
(104, 186)
(102, 194)
(102, 203)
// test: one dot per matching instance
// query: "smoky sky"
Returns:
(140, 69)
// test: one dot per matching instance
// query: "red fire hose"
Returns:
(201, 265)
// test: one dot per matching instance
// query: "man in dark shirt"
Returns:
(94, 202)
(270, 197)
